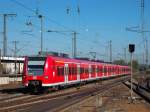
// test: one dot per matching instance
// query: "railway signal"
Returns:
(131, 50)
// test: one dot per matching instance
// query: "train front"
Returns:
(33, 72)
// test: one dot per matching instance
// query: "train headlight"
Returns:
(46, 77)
(53, 74)
(46, 65)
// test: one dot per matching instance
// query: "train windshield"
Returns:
(36, 65)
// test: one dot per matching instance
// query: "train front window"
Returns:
(36, 65)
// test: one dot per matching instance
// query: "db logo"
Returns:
(34, 77)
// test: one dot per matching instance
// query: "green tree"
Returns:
(135, 64)
(119, 62)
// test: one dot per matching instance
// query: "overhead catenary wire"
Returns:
(33, 11)
(41, 21)
(36, 12)
(51, 20)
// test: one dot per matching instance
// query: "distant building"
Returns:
(11, 65)
(44, 53)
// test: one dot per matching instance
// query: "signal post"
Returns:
(131, 50)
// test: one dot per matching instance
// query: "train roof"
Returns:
(79, 60)
(57, 58)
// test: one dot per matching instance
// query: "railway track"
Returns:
(10, 94)
(57, 100)
(141, 90)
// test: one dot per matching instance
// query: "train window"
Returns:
(60, 70)
(72, 70)
(81, 70)
(86, 70)
(93, 70)
(75, 71)
(105, 70)
(36, 65)
(90, 70)
(96, 70)
(111, 69)
(69, 70)
(116, 70)
(100, 69)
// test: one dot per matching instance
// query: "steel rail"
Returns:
(73, 97)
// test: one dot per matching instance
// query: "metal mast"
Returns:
(110, 50)
(15, 47)
(41, 32)
(125, 55)
(74, 48)
(142, 32)
(5, 32)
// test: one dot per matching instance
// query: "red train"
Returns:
(50, 71)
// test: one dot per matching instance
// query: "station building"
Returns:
(11, 65)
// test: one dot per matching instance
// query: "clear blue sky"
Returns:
(99, 21)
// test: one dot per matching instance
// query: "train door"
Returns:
(89, 71)
(78, 72)
(103, 71)
(96, 71)
(66, 73)
(113, 69)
